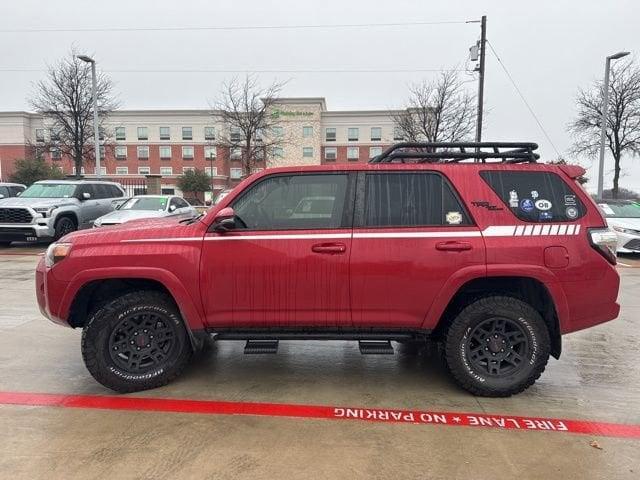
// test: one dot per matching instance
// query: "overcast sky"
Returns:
(550, 47)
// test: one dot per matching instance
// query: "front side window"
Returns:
(294, 202)
(416, 199)
(187, 133)
(143, 133)
(535, 196)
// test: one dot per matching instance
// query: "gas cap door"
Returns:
(556, 257)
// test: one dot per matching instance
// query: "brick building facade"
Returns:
(168, 142)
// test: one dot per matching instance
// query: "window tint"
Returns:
(101, 191)
(181, 203)
(114, 192)
(535, 196)
(295, 202)
(4, 191)
(411, 200)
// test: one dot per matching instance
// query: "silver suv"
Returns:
(50, 209)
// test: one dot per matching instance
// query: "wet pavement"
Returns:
(597, 378)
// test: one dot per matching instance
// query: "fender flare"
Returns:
(190, 309)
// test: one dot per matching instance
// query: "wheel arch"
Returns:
(68, 214)
(528, 289)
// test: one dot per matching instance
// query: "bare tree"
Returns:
(440, 110)
(246, 109)
(65, 101)
(623, 122)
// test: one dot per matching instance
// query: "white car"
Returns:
(147, 206)
(624, 217)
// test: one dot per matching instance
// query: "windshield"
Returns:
(145, 203)
(621, 210)
(49, 190)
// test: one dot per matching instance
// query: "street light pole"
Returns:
(603, 118)
(94, 94)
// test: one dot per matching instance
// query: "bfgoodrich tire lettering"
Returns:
(136, 342)
(497, 346)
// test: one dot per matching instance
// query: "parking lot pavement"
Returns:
(597, 378)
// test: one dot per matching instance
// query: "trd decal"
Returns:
(485, 204)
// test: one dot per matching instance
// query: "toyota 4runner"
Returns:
(475, 245)
(49, 209)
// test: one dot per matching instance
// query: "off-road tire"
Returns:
(518, 314)
(63, 226)
(97, 336)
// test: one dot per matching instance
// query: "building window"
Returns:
(376, 134)
(211, 171)
(81, 170)
(307, 131)
(277, 132)
(236, 153)
(353, 134)
(56, 154)
(210, 152)
(53, 135)
(374, 151)
(143, 152)
(330, 135)
(236, 134)
(165, 133)
(187, 133)
(100, 133)
(209, 133)
(165, 152)
(122, 170)
(398, 134)
(121, 133)
(39, 134)
(143, 133)
(187, 152)
(353, 153)
(188, 169)
(330, 153)
(307, 152)
(277, 152)
(259, 135)
(121, 152)
(235, 173)
(103, 170)
(144, 170)
(102, 151)
(166, 171)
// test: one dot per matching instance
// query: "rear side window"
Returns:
(413, 199)
(535, 196)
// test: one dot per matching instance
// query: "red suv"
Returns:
(477, 246)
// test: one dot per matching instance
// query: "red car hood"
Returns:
(148, 228)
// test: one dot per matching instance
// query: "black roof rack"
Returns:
(454, 152)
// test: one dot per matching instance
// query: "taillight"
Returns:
(605, 241)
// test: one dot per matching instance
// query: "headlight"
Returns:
(628, 231)
(45, 211)
(55, 253)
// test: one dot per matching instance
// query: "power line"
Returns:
(400, 70)
(524, 100)
(226, 27)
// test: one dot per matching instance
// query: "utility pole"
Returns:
(94, 95)
(483, 42)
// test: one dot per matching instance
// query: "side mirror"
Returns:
(85, 196)
(224, 220)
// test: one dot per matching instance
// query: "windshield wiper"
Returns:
(191, 220)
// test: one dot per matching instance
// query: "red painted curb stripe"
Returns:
(504, 422)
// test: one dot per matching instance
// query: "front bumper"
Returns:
(48, 289)
(26, 232)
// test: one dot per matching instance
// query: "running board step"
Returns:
(261, 346)
(375, 347)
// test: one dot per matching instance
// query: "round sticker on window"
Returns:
(453, 218)
(526, 205)
(543, 205)
(571, 212)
